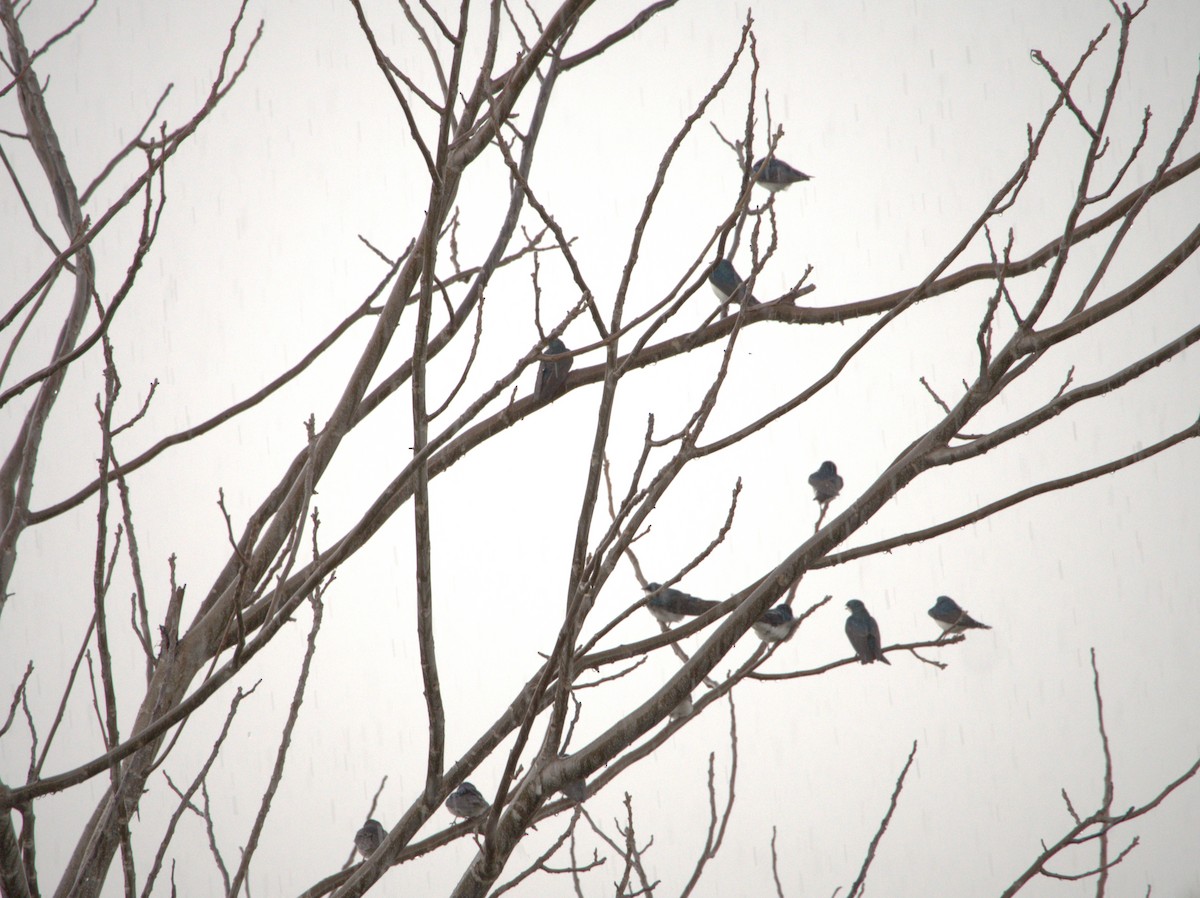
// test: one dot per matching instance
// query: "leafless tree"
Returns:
(281, 563)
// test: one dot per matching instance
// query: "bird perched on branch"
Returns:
(776, 624)
(368, 839)
(775, 174)
(728, 284)
(863, 633)
(465, 801)
(671, 605)
(683, 709)
(826, 482)
(552, 375)
(948, 615)
(575, 790)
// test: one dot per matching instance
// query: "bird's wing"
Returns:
(694, 606)
(941, 615)
(860, 640)
(876, 642)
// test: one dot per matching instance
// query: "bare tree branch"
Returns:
(860, 882)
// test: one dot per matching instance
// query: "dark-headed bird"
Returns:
(728, 284)
(671, 605)
(826, 482)
(368, 839)
(465, 801)
(863, 633)
(552, 375)
(948, 615)
(776, 624)
(775, 174)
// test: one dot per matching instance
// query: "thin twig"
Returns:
(859, 883)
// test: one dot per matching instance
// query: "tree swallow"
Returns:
(574, 790)
(776, 624)
(671, 605)
(552, 376)
(465, 801)
(863, 633)
(826, 482)
(727, 284)
(368, 839)
(775, 174)
(683, 709)
(952, 619)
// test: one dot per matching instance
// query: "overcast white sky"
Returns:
(909, 116)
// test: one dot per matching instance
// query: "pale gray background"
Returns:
(909, 115)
